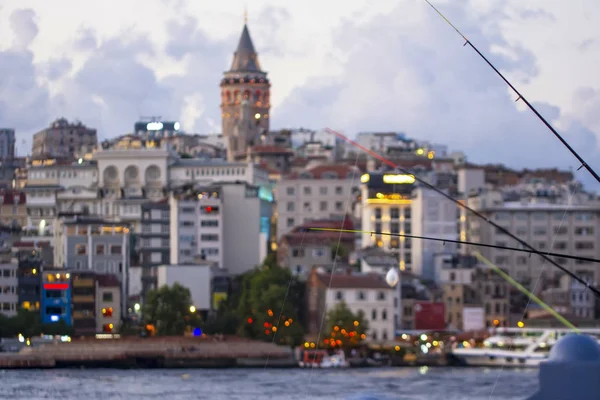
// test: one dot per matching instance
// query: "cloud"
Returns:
(22, 23)
(23, 102)
(407, 71)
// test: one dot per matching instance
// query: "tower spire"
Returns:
(245, 15)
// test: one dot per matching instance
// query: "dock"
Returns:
(171, 352)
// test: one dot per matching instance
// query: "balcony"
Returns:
(83, 299)
(83, 283)
(84, 315)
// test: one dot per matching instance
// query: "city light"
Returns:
(137, 307)
(520, 324)
(192, 309)
(398, 179)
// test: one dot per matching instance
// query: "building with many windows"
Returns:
(63, 139)
(84, 243)
(8, 290)
(368, 294)
(154, 241)
(386, 207)
(319, 192)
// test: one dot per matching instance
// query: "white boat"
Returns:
(321, 359)
(513, 347)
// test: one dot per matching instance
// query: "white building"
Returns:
(432, 216)
(367, 294)
(8, 290)
(228, 223)
(197, 278)
(320, 192)
(197, 225)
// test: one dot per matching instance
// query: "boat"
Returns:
(511, 347)
(322, 359)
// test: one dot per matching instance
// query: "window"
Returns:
(100, 249)
(395, 227)
(290, 191)
(307, 190)
(339, 295)
(384, 315)
(360, 295)
(381, 296)
(378, 213)
(339, 190)
(560, 230)
(164, 229)
(290, 206)
(81, 249)
(339, 206)
(209, 223)
(374, 315)
(319, 252)
(307, 207)
(394, 213)
(323, 190)
(584, 217)
(107, 297)
(188, 210)
(209, 238)
(584, 231)
(290, 222)
(323, 206)
(407, 212)
(297, 253)
(584, 245)
(116, 249)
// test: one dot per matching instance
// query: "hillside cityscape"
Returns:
(266, 234)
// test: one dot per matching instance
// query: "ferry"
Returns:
(512, 347)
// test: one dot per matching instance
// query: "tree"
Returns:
(345, 328)
(268, 306)
(168, 310)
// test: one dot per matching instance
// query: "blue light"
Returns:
(264, 193)
(54, 318)
(197, 332)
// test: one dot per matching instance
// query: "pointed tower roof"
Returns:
(245, 58)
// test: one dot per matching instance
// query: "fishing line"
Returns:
(521, 97)
(466, 207)
(335, 262)
(435, 239)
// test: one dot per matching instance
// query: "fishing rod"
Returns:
(492, 246)
(521, 97)
(466, 207)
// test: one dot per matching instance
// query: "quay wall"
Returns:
(152, 353)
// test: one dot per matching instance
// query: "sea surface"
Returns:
(233, 384)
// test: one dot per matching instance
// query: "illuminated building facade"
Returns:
(156, 129)
(29, 259)
(386, 207)
(56, 297)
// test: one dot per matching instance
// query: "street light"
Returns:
(137, 307)
(192, 309)
(257, 116)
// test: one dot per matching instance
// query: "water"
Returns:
(224, 384)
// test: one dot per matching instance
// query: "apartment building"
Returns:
(560, 220)
(29, 257)
(386, 207)
(368, 294)
(56, 297)
(7, 144)
(302, 249)
(154, 241)
(196, 228)
(204, 217)
(108, 303)
(83, 302)
(467, 285)
(9, 284)
(320, 192)
(63, 139)
(84, 243)
(432, 216)
(13, 208)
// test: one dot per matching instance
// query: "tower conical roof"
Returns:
(245, 58)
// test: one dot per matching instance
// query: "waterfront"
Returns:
(385, 383)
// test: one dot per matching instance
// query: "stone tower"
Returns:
(245, 99)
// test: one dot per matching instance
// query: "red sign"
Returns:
(430, 316)
(56, 286)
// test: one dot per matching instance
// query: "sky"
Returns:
(357, 65)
